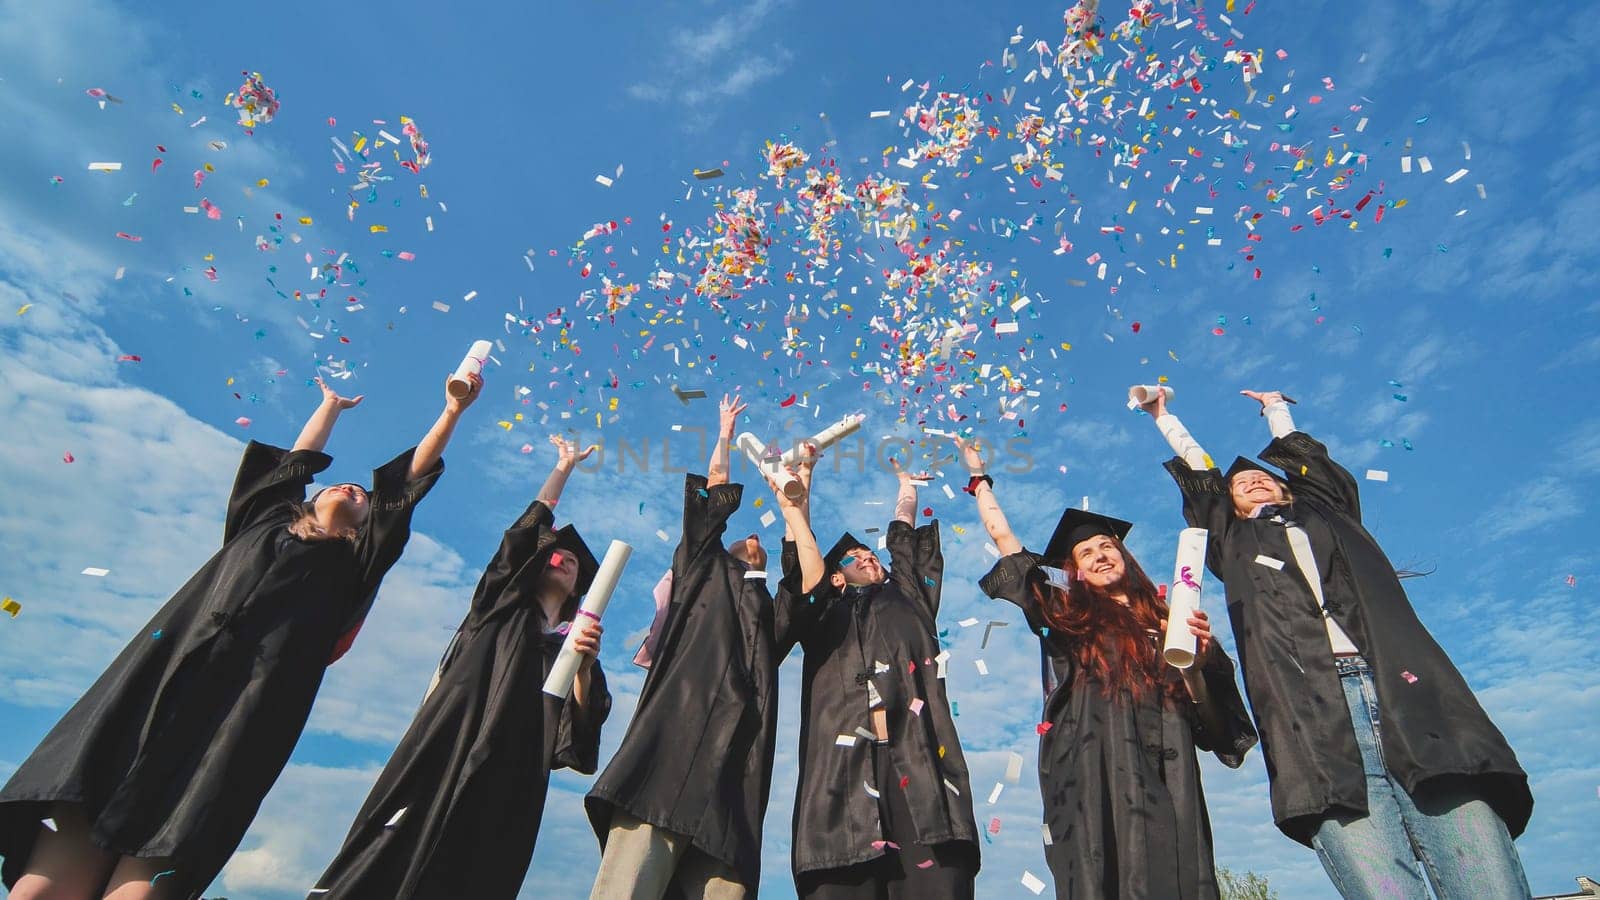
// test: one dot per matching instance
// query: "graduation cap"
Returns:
(1240, 464)
(841, 547)
(1078, 525)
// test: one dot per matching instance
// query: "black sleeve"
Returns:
(796, 613)
(1012, 579)
(269, 478)
(1225, 728)
(916, 564)
(578, 737)
(705, 517)
(388, 527)
(1310, 472)
(1206, 504)
(517, 547)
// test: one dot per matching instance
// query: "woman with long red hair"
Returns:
(1125, 815)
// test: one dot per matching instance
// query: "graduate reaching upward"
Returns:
(1118, 767)
(1327, 638)
(456, 811)
(678, 810)
(883, 808)
(153, 776)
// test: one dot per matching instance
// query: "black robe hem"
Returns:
(845, 862)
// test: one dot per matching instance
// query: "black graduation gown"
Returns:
(172, 750)
(885, 636)
(1119, 776)
(1433, 725)
(473, 769)
(697, 758)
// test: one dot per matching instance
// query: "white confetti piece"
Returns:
(941, 660)
(983, 667)
(441, 307)
(871, 791)
(1005, 328)
(994, 795)
(953, 789)
(968, 622)
(661, 533)
(916, 706)
(1377, 475)
(105, 167)
(1032, 882)
(1013, 767)
(395, 819)
(767, 518)
(602, 180)
(1269, 562)
(878, 114)
(96, 572)
(1044, 829)
(469, 296)
(845, 740)
(1423, 165)
(1455, 176)
(1405, 165)
(49, 823)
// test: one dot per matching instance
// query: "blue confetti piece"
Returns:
(1400, 397)
(155, 635)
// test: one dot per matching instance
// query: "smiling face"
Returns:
(1099, 562)
(341, 507)
(749, 551)
(1253, 487)
(860, 566)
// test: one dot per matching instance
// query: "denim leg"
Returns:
(1463, 843)
(1369, 857)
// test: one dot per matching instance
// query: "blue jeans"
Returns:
(1461, 842)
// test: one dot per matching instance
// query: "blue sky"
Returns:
(1481, 308)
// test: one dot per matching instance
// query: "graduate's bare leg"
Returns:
(704, 877)
(141, 879)
(65, 864)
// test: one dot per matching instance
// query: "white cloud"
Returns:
(1529, 506)
(721, 59)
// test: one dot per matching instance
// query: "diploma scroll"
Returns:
(559, 684)
(460, 383)
(1140, 394)
(776, 466)
(1183, 597)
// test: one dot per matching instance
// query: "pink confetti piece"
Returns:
(1410, 678)
(242, 422)
(129, 237)
(68, 457)
(406, 255)
(925, 864)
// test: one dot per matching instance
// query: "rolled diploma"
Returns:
(756, 452)
(827, 437)
(1140, 394)
(1183, 597)
(460, 383)
(559, 684)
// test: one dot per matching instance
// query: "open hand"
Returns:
(330, 396)
(729, 412)
(972, 455)
(567, 454)
(1265, 398)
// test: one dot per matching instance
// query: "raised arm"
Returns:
(1303, 459)
(981, 487)
(314, 436)
(797, 528)
(729, 412)
(1178, 437)
(432, 445)
(905, 503)
(567, 459)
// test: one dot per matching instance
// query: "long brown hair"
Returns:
(1114, 644)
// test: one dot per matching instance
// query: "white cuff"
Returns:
(1182, 443)
(1278, 418)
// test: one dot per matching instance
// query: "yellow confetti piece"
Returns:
(261, 182)
(1209, 463)
(305, 220)
(613, 404)
(504, 424)
(378, 229)
(209, 167)
(11, 606)
(25, 308)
